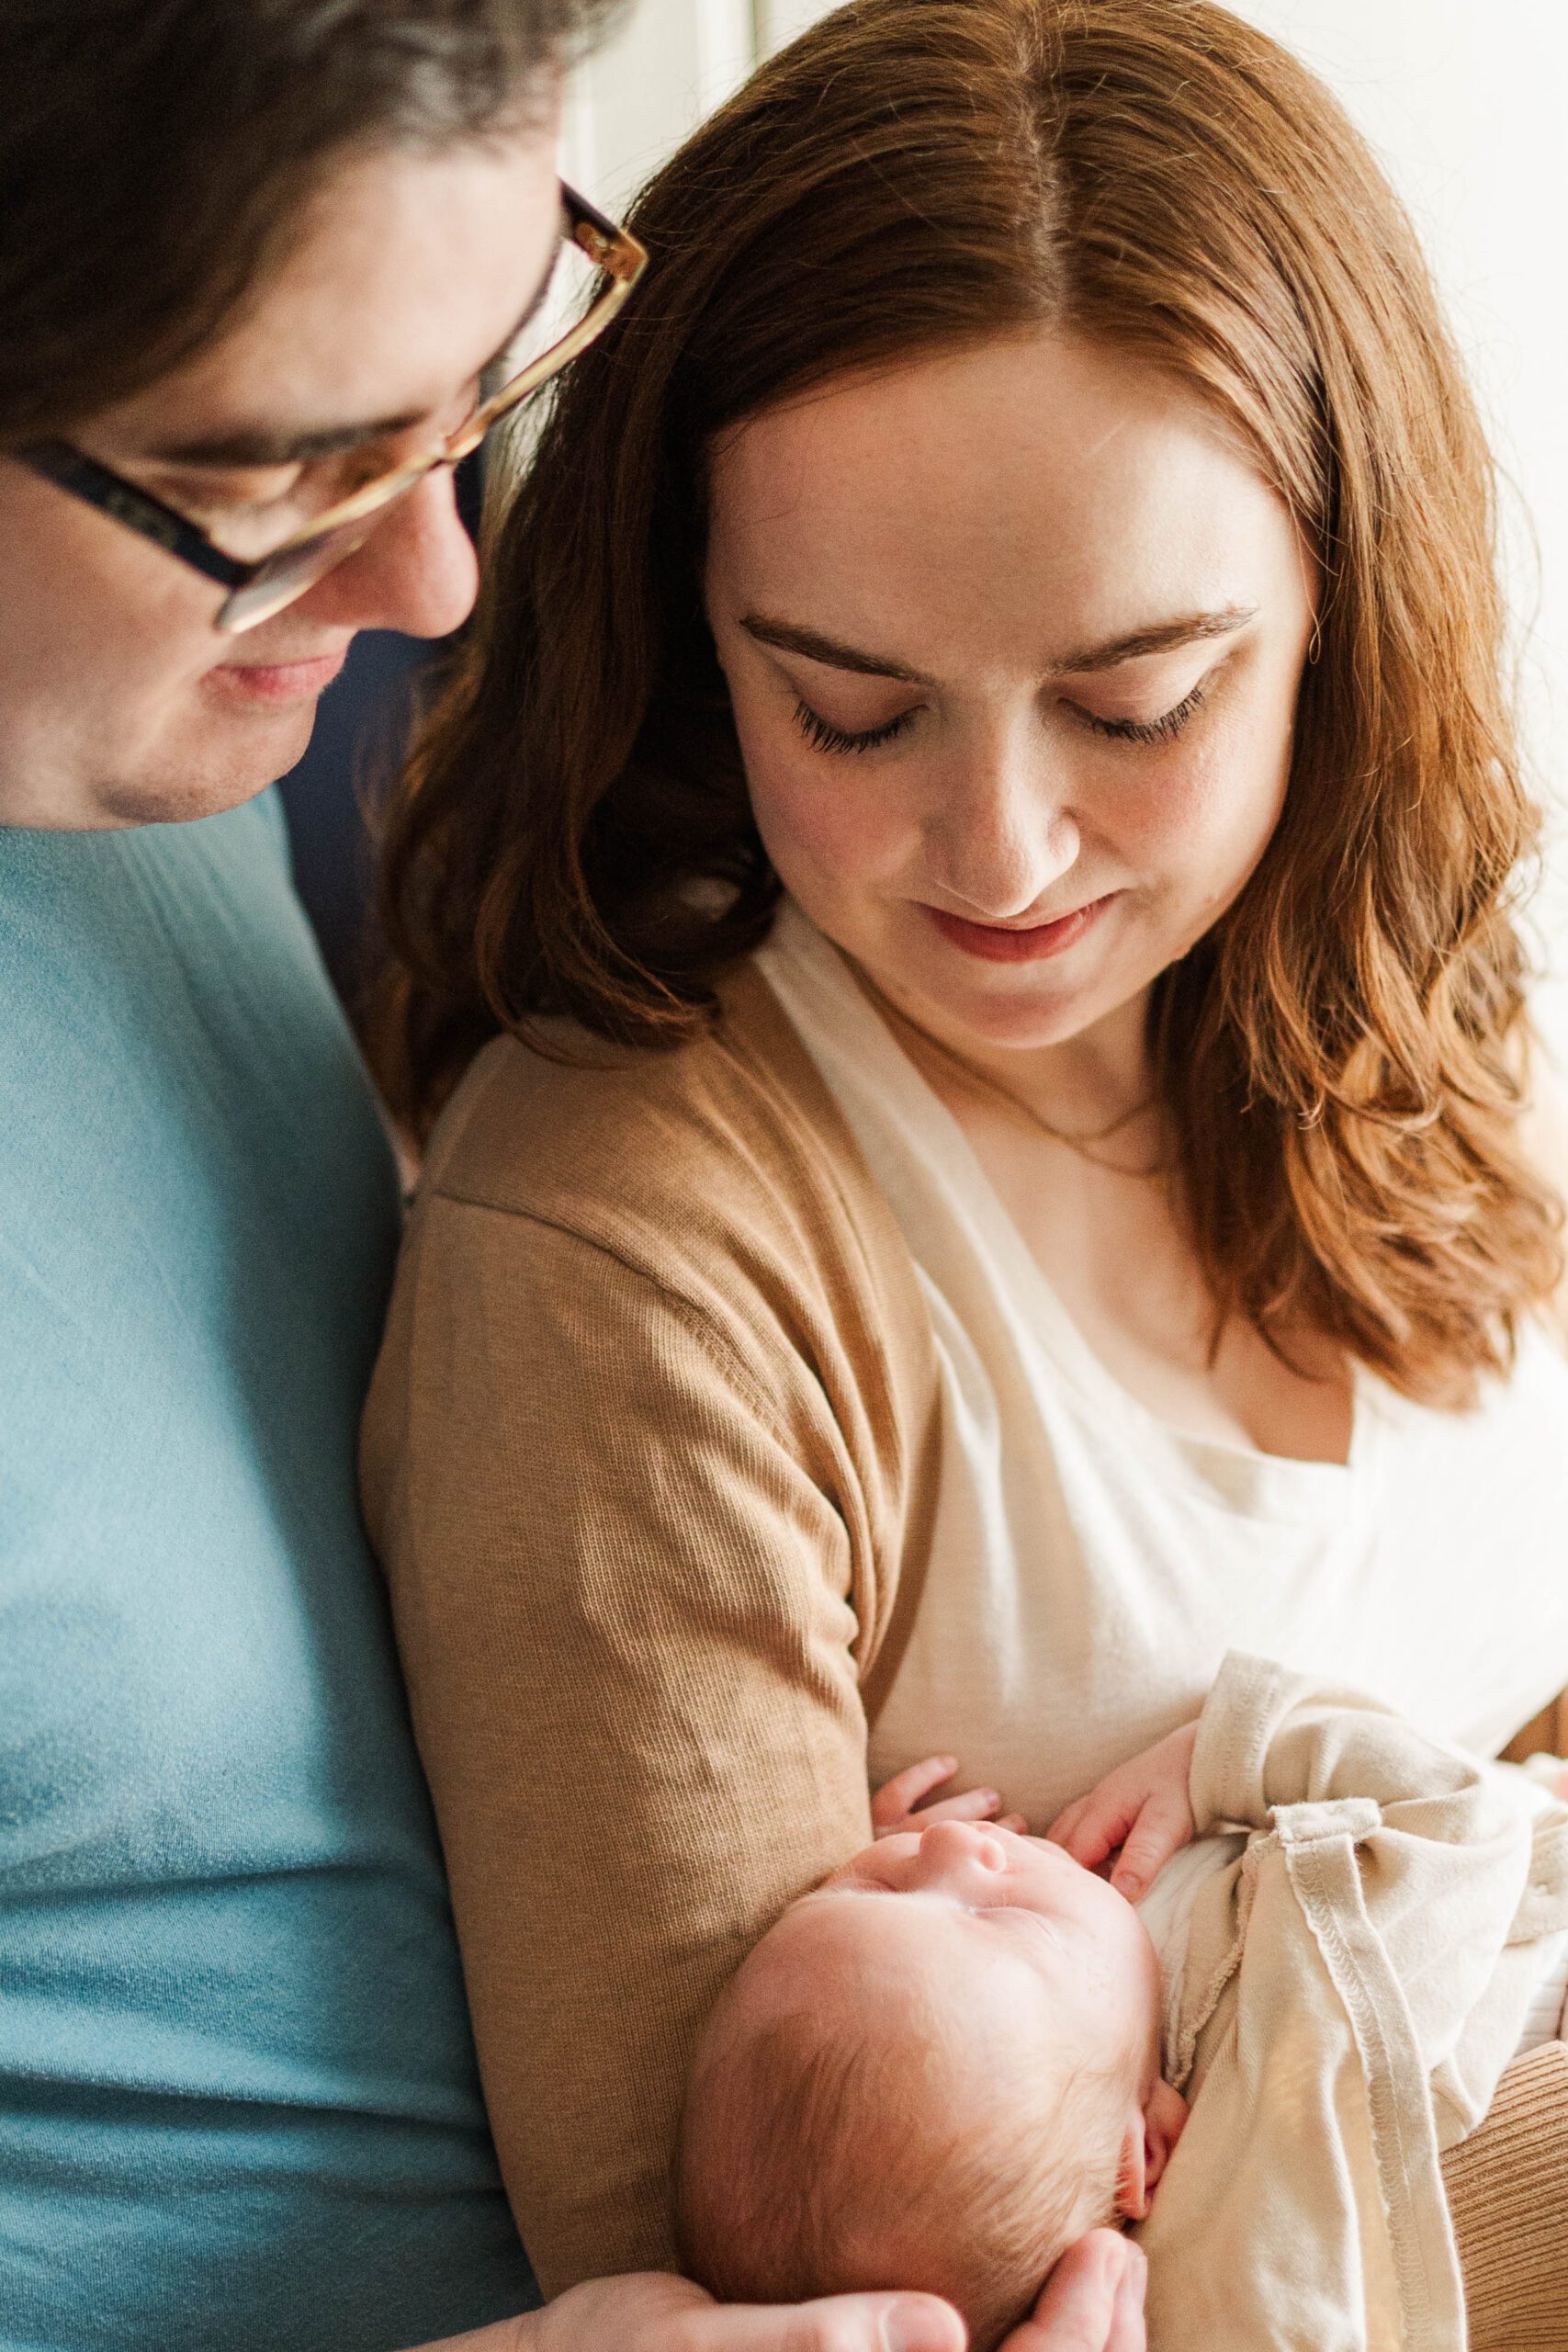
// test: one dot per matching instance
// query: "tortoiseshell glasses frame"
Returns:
(259, 589)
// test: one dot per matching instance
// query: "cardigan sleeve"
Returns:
(621, 1542)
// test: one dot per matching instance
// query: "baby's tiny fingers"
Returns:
(1014, 1821)
(1066, 1821)
(1097, 1831)
(974, 1804)
(1158, 1831)
(903, 1793)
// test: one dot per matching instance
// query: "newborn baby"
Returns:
(957, 2055)
(939, 2068)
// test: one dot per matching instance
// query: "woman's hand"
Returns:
(1144, 1807)
(1092, 2302)
(900, 1804)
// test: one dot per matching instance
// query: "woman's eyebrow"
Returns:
(1162, 636)
(828, 649)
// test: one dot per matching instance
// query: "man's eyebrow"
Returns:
(268, 446)
(1162, 636)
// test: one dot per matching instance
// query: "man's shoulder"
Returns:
(192, 1131)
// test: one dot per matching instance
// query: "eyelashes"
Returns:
(1156, 731)
(823, 736)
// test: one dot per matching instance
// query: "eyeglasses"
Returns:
(305, 544)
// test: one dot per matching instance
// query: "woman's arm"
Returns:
(625, 1541)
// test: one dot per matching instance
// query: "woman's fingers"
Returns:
(893, 1804)
(1093, 2300)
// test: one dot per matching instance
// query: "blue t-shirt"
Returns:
(237, 2102)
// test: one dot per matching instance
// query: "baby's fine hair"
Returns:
(815, 2159)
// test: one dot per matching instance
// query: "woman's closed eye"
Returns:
(823, 736)
(1164, 730)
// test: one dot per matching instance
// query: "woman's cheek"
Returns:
(814, 822)
(1210, 821)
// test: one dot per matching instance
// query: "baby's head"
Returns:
(935, 2072)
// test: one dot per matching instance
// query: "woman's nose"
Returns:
(950, 1847)
(1005, 832)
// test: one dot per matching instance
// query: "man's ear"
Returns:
(1145, 2152)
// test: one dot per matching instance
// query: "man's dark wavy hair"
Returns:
(153, 154)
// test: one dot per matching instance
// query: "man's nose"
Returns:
(416, 572)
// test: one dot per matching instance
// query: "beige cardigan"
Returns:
(649, 1459)
(1354, 1987)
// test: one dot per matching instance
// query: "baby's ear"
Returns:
(1165, 2120)
(1145, 2152)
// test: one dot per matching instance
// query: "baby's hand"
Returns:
(1145, 1807)
(898, 1806)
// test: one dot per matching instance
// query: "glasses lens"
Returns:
(574, 282)
(294, 570)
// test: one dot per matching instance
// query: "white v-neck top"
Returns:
(1092, 1564)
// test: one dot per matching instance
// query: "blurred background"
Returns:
(1464, 104)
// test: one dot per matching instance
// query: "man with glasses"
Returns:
(268, 269)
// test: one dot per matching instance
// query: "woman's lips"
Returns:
(996, 944)
(268, 684)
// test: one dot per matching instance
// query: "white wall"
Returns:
(1464, 103)
(672, 63)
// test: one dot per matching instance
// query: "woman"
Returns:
(985, 805)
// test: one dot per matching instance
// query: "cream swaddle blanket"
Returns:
(1355, 1982)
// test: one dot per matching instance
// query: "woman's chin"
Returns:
(1018, 1012)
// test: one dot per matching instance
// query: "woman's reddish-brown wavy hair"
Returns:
(1342, 1057)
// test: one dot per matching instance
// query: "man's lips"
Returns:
(272, 683)
(999, 943)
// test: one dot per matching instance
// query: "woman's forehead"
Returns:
(1031, 483)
